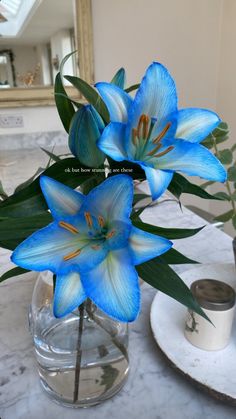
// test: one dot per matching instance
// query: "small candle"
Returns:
(217, 299)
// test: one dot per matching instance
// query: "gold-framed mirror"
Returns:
(22, 86)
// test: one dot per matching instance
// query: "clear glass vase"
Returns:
(82, 358)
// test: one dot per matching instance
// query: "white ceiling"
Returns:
(50, 17)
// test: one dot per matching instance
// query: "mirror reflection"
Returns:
(34, 37)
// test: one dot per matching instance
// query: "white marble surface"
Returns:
(153, 389)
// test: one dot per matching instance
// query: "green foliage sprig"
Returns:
(226, 156)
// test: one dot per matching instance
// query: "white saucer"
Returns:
(214, 371)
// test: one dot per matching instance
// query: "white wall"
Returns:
(226, 89)
(182, 34)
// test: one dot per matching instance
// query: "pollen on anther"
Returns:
(101, 221)
(88, 219)
(111, 234)
(68, 227)
(72, 255)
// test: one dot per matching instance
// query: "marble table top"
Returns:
(153, 390)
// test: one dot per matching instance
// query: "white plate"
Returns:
(214, 371)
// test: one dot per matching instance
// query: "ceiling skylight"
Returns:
(10, 8)
(17, 14)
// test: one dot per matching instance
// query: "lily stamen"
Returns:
(111, 234)
(101, 221)
(88, 219)
(162, 134)
(68, 227)
(153, 121)
(143, 127)
(72, 255)
(140, 125)
(162, 153)
(155, 150)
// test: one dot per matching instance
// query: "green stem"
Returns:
(113, 337)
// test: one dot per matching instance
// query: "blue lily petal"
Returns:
(113, 286)
(195, 124)
(62, 200)
(122, 231)
(119, 78)
(145, 246)
(69, 294)
(46, 249)
(158, 180)
(86, 128)
(194, 160)
(112, 141)
(156, 96)
(117, 101)
(112, 199)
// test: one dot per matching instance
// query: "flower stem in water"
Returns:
(79, 354)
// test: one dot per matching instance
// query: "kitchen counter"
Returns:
(153, 390)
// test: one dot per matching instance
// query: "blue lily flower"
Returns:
(86, 128)
(92, 247)
(150, 131)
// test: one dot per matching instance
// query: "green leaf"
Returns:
(233, 148)
(234, 221)
(65, 96)
(119, 78)
(223, 196)
(13, 272)
(163, 278)
(221, 130)
(14, 231)
(168, 233)
(225, 156)
(2, 192)
(233, 195)
(206, 184)
(63, 104)
(173, 257)
(225, 217)
(92, 182)
(91, 95)
(30, 201)
(135, 214)
(180, 184)
(139, 197)
(133, 87)
(219, 135)
(52, 156)
(232, 174)
(29, 181)
(208, 142)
